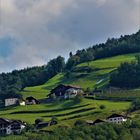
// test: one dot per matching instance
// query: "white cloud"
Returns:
(43, 29)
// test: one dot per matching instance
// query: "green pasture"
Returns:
(111, 62)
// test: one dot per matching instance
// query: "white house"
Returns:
(11, 101)
(116, 118)
(8, 127)
(72, 92)
(22, 103)
(65, 91)
(17, 126)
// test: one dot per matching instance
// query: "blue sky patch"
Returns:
(5, 46)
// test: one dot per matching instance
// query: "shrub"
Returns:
(102, 106)
(53, 121)
(37, 121)
(135, 105)
(79, 122)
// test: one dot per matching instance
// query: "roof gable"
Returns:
(61, 89)
(98, 121)
(4, 121)
(115, 116)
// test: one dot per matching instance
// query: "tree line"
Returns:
(127, 75)
(123, 45)
(15, 81)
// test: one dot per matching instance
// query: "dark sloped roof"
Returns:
(32, 98)
(17, 122)
(9, 122)
(66, 87)
(61, 89)
(98, 121)
(4, 121)
(115, 115)
(42, 124)
(76, 87)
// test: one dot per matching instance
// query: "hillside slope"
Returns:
(87, 75)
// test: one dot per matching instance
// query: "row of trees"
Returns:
(127, 75)
(12, 83)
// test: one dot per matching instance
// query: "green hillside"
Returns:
(69, 111)
(97, 77)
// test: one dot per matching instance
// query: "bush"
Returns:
(135, 105)
(53, 121)
(79, 122)
(37, 121)
(30, 128)
(102, 106)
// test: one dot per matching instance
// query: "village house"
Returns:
(17, 126)
(98, 121)
(8, 127)
(31, 101)
(42, 124)
(89, 122)
(116, 118)
(66, 92)
(11, 101)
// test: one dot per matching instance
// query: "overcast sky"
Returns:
(34, 31)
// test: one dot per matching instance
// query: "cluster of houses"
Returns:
(8, 127)
(15, 101)
(61, 91)
(114, 118)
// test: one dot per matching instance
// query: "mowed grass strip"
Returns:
(111, 62)
(48, 111)
(93, 114)
(85, 107)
